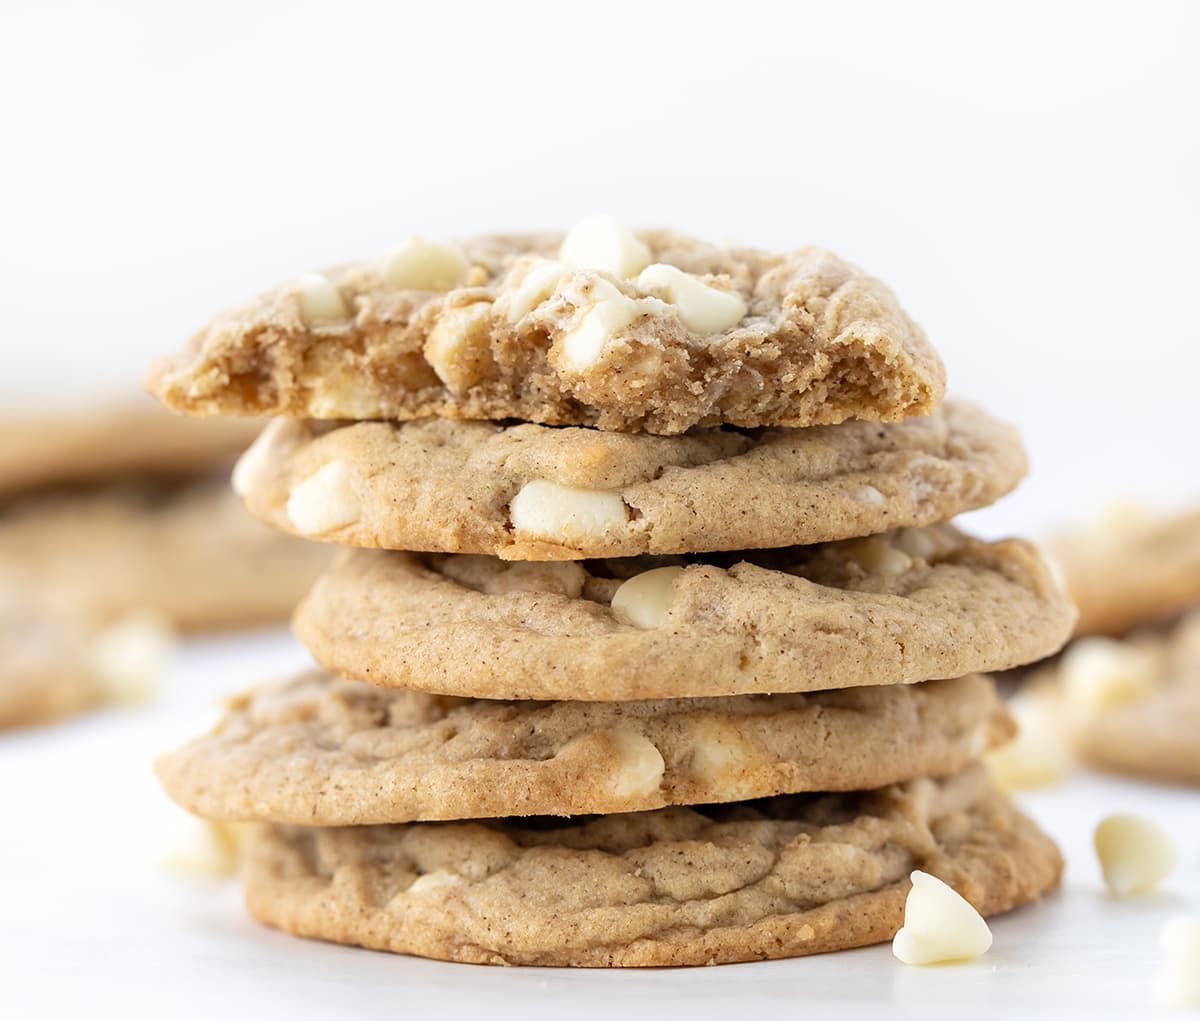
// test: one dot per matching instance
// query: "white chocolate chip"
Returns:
(196, 847)
(878, 557)
(645, 599)
(939, 925)
(434, 880)
(256, 460)
(538, 283)
(718, 756)
(129, 656)
(324, 501)
(600, 242)
(1040, 754)
(918, 543)
(641, 767)
(321, 302)
(1177, 981)
(1135, 853)
(869, 495)
(1100, 673)
(457, 347)
(423, 265)
(701, 308)
(604, 314)
(565, 513)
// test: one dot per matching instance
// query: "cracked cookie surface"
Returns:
(783, 877)
(907, 606)
(446, 486)
(510, 333)
(324, 751)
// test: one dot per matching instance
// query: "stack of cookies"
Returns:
(653, 646)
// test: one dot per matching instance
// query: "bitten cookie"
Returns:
(329, 752)
(784, 877)
(655, 332)
(531, 492)
(898, 608)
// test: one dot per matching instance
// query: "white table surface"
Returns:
(91, 925)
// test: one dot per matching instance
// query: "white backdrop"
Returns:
(1024, 175)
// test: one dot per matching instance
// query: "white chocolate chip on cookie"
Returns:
(423, 265)
(645, 599)
(918, 543)
(719, 755)
(566, 513)
(1177, 982)
(538, 283)
(458, 345)
(434, 880)
(1039, 755)
(601, 242)
(939, 925)
(256, 460)
(325, 500)
(641, 767)
(870, 496)
(1100, 673)
(1135, 853)
(601, 317)
(701, 308)
(321, 303)
(878, 557)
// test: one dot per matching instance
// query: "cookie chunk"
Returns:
(531, 492)
(655, 332)
(902, 607)
(783, 877)
(329, 752)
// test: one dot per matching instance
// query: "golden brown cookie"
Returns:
(134, 438)
(531, 492)
(903, 607)
(657, 333)
(1131, 569)
(783, 877)
(329, 752)
(189, 552)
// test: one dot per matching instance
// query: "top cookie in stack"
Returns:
(656, 483)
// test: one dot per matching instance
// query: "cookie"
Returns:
(189, 551)
(783, 877)
(657, 333)
(531, 492)
(1133, 570)
(329, 752)
(907, 606)
(135, 438)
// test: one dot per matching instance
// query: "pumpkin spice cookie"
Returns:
(906, 606)
(782, 877)
(324, 751)
(655, 332)
(532, 492)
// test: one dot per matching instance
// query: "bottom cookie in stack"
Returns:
(791, 822)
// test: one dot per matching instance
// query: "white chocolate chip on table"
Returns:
(1040, 754)
(1136, 854)
(326, 500)
(940, 926)
(1099, 674)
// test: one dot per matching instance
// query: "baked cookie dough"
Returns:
(784, 877)
(134, 438)
(531, 492)
(187, 551)
(655, 333)
(906, 606)
(329, 752)
(1132, 568)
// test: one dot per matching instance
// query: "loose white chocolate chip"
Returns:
(1177, 982)
(324, 501)
(605, 315)
(565, 513)
(869, 495)
(641, 765)
(255, 461)
(918, 543)
(199, 848)
(321, 302)
(423, 265)
(457, 347)
(1135, 853)
(702, 309)
(600, 242)
(434, 880)
(1040, 754)
(536, 286)
(939, 925)
(645, 599)
(1100, 673)
(129, 656)
(878, 557)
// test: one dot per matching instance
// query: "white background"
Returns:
(1023, 174)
